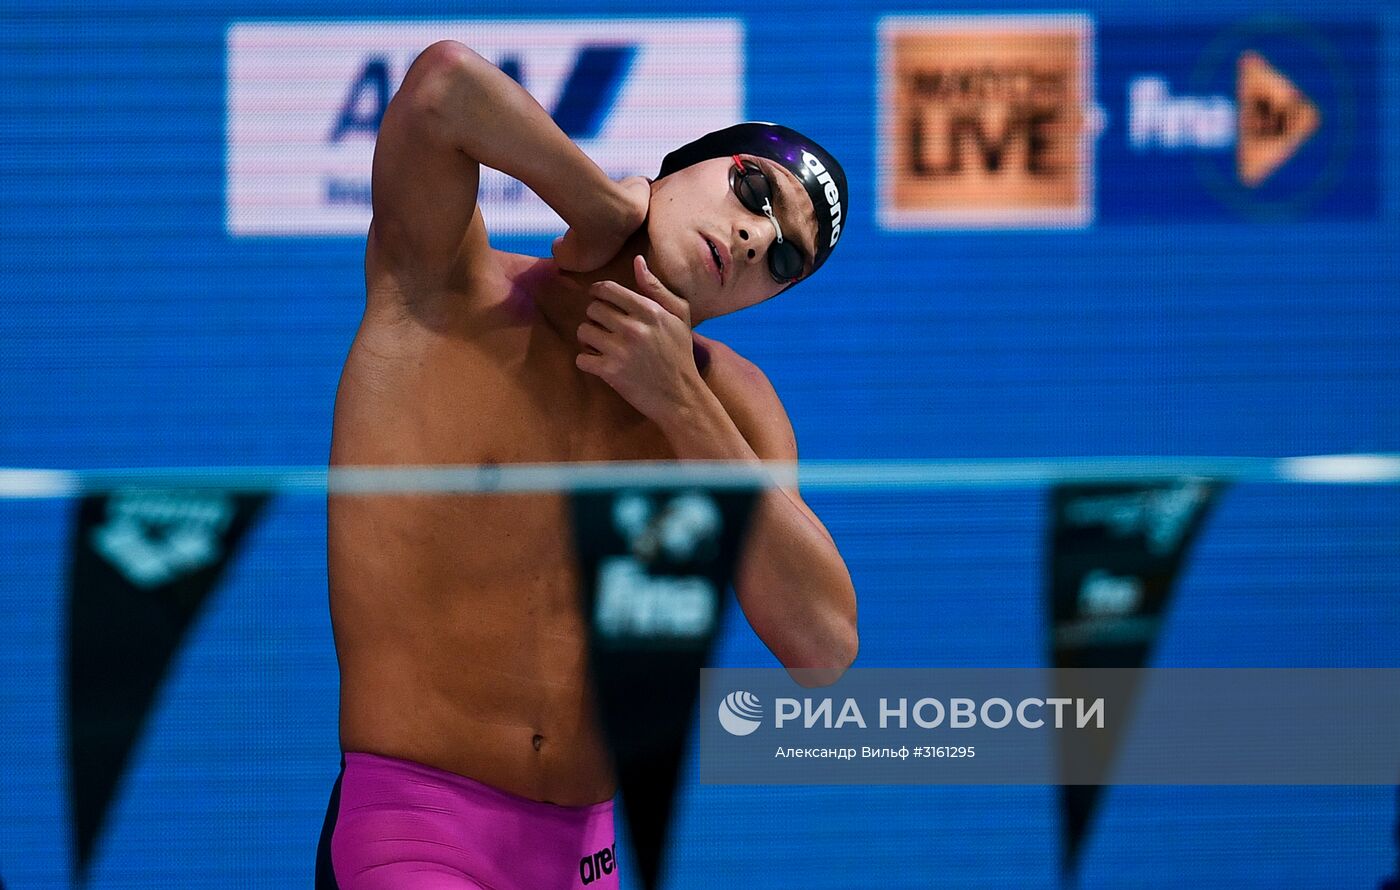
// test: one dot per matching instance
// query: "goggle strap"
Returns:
(768, 210)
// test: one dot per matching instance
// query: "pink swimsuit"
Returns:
(402, 825)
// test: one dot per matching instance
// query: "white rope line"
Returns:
(814, 475)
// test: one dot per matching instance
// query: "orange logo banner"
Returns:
(985, 122)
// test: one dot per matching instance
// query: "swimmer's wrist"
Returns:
(594, 202)
(683, 408)
(615, 210)
(699, 428)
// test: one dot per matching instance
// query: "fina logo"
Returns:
(682, 531)
(740, 713)
(1268, 121)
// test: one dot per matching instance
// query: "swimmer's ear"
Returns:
(653, 287)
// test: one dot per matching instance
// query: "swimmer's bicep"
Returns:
(424, 187)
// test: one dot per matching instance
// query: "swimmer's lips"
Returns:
(717, 257)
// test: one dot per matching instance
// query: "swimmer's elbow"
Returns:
(443, 86)
(430, 77)
(443, 51)
(827, 663)
(446, 58)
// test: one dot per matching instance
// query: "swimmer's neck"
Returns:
(561, 297)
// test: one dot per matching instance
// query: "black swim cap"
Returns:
(813, 166)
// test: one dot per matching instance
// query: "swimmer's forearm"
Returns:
(793, 584)
(699, 428)
(494, 121)
(797, 593)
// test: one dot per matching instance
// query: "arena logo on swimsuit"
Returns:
(833, 195)
(600, 864)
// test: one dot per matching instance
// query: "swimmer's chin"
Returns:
(661, 268)
(669, 264)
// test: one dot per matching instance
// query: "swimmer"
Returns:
(473, 756)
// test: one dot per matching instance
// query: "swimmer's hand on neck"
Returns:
(640, 342)
(588, 246)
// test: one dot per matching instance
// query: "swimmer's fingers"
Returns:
(638, 319)
(652, 304)
(625, 299)
(591, 364)
(612, 338)
(633, 310)
(606, 315)
(652, 287)
(648, 356)
(593, 338)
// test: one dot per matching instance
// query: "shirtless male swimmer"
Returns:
(473, 757)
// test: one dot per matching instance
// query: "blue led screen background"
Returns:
(1151, 302)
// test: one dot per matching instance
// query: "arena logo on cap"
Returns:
(305, 101)
(986, 121)
(829, 191)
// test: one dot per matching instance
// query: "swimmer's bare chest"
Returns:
(456, 616)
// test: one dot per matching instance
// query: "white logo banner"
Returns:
(305, 100)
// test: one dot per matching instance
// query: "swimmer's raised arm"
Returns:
(454, 112)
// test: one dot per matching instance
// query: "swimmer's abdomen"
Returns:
(456, 617)
(460, 659)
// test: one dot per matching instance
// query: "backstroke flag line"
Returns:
(143, 565)
(654, 568)
(1115, 552)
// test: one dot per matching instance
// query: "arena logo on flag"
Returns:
(305, 101)
(986, 121)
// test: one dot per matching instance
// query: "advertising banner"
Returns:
(305, 100)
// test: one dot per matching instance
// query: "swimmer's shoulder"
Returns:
(749, 398)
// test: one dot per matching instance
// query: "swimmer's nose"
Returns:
(745, 251)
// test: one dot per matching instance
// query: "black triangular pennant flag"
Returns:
(654, 567)
(1116, 551)
(1393, 882)
(142, 565)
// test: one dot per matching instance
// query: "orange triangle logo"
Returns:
(1274, 119)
